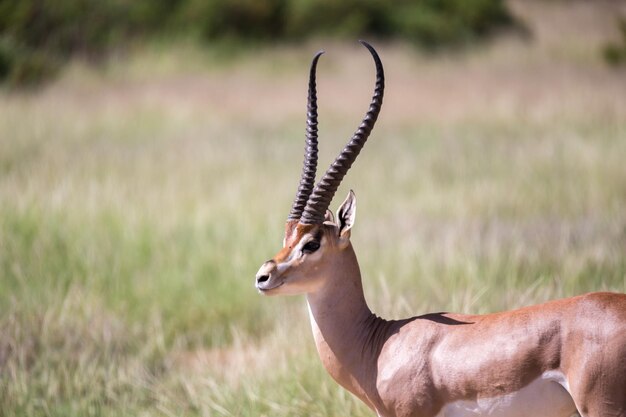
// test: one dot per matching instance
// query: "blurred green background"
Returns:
(37, 36)
(150, 151)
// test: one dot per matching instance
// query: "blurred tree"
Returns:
(37, 36)
(615, 53)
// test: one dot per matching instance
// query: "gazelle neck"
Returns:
(347, 334)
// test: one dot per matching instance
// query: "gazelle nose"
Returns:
(265, 272)
(262, 278)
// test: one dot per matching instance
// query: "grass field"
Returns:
(138, 200)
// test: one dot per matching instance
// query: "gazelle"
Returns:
(547, 360)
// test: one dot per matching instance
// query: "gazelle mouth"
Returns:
(262, 289)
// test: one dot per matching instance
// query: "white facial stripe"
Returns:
(294, 254)
(305, 239)
(281, 267)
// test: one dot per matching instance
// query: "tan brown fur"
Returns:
(417, 366)
(547, 360)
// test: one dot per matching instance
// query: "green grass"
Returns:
(135, 210)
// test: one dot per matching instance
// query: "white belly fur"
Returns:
(546, 396)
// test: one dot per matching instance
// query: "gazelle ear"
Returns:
(329, 217)
(346, 215)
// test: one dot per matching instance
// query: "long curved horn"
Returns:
(325, 190)
(309, 165)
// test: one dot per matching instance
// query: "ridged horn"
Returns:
(309, 165)
(325, 190)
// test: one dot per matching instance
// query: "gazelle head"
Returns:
(315, 243)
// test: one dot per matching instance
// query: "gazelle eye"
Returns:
(311, 246)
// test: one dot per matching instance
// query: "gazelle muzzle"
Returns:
(265, 277)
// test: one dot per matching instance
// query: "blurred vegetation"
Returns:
(138, 201)
(615, 52)
(37, 36)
